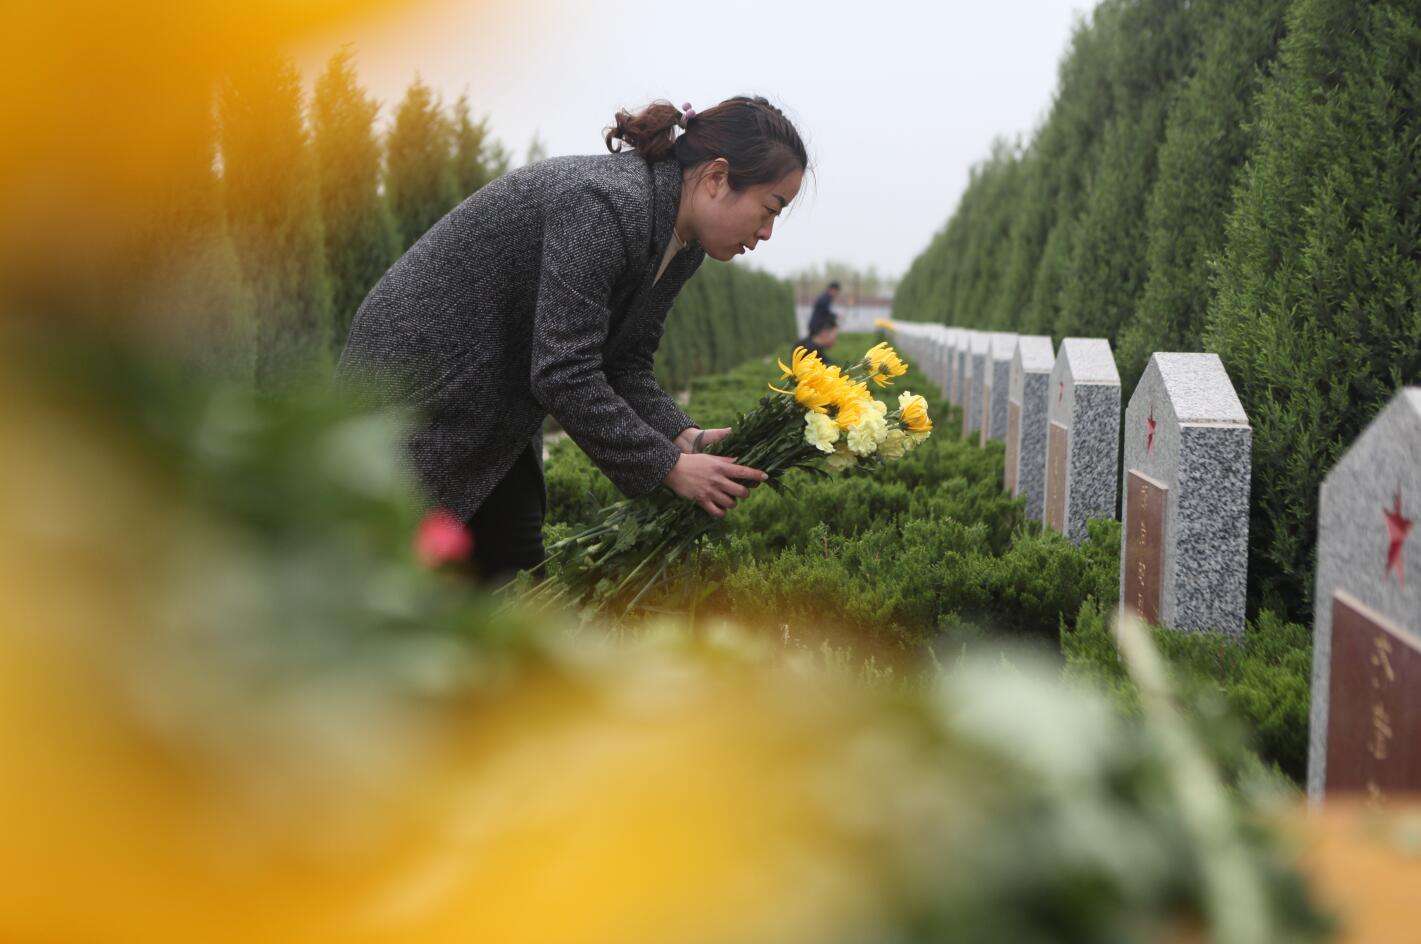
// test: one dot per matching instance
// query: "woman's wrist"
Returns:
(689, 438)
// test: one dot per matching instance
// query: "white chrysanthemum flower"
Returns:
(820, 431)
(881, 407)
(865, 435)
(840, 459)
(895, 445)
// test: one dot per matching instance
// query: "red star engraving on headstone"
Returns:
(1150, 431)
(1397, 528)
(1061, 392)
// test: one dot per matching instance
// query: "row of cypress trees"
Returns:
(289, 211)
(1237, 176)
(318, 204)
(724, 316)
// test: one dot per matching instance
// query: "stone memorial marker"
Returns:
(945, 359)
(950, 356)
(1365, 735)
(996, 383)
(979, 343)
(1188, 455)
(962, 358)
(939, 358)
(1083, 436)
(1025, 474)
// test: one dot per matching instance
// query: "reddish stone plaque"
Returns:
(1013, 447)
(1057, 445)
(986, 414)
(1374, 704)
(1144, 545)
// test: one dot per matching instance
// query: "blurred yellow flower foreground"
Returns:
(232, 708)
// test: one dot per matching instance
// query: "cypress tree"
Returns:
(537, 150)
(1318, 308)
(192, 286)
(419, 159)
(987, 241)
(474, 154)
(1149, 45)
(360, 239)
(1206, 139)
(270, 188)
(1066, 146)
(1032, 214)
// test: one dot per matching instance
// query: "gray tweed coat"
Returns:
(535, 295)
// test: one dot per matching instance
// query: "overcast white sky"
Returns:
(896, 100)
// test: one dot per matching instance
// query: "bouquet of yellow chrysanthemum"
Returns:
(823, 419)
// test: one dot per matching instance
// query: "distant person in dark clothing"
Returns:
(820, 343)
(823, 314)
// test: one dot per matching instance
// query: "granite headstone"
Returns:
(1083, 436)
(979, 344)
(1365, 732)
(996, 386)
(1184, 540)
(1025, 475)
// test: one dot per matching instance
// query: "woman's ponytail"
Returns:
(651, 131)
(756, 139)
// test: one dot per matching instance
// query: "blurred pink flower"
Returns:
(442, 539)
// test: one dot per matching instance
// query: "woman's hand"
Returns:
(710, 481)
(687, 440)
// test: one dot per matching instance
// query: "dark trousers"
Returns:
(508, 527)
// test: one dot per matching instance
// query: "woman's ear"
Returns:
(716, 177)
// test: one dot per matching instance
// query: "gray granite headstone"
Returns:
(946, 360)
(978, 344)
(962, 358)
(954, 341)
(996, 384)
(1082, 436)
(1184, 539)
(1365, 736)
(1025, 474)
(940, 358)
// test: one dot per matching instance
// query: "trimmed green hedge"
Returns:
(864, 555)
(911, 563)
(1264, 679)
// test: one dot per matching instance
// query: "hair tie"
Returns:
(687, 113)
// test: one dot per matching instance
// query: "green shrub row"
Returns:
(1264, 679)
(1234, 176)
(930, 555)
(926, 547)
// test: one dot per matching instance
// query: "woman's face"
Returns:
(728, 222)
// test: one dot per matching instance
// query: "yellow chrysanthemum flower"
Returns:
(814, 386)
(854, 401)
(914, 411)
(803, 362)
(884, 364)
(812, 395)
